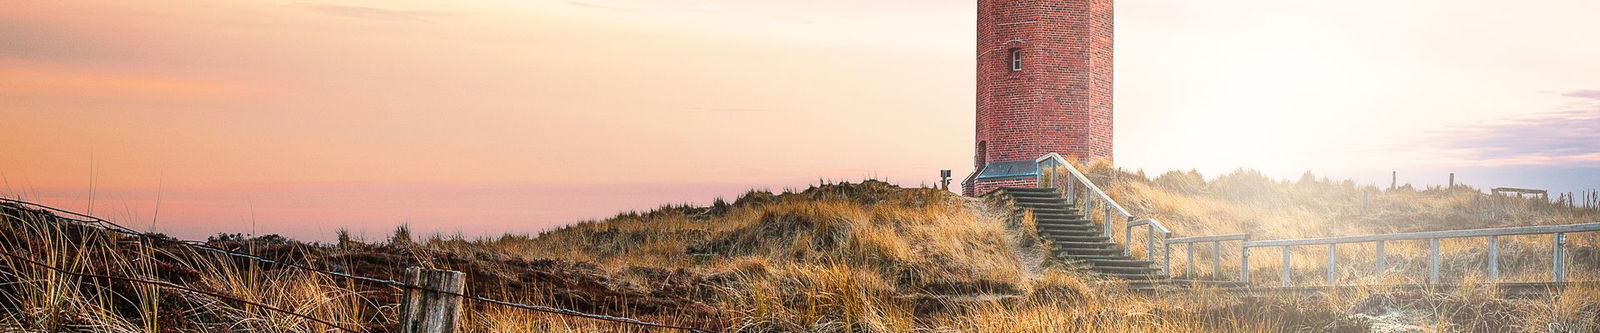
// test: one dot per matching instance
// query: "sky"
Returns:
(487, 117)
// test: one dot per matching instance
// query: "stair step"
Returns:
(1077, 233)
(1117, 256)
(1042, 200)
(1042, 205)
(1078, 239)
(1048, 212)
(1124, 269)
(1119, 263)
(1069, 253)
(1083, 245)
(1065, 227)
(1028, 190)
(1131, 276)
(1063, 222)
(1069, 215)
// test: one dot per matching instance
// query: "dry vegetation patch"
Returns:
(848, 257)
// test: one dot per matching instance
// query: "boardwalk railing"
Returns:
(1558, 254)
(1057, 173)
(1216, 252)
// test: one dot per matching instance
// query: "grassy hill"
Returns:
(848, 257)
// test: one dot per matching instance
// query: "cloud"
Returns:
(635, 8)
(1585, 94)
(374, 12)
(734, 110)
(1569, 137)
(29, 78)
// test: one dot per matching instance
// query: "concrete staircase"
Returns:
(1073, 238)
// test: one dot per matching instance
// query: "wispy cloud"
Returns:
(626, 8)
(35, 78)
(374, 12)
(1568, 137)
(733, 110)
(1586, 94)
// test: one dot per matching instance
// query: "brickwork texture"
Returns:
(1060, 99)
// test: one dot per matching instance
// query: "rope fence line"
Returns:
(170, 285)
(118, 228)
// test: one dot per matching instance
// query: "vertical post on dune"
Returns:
(1333, 256)
(428, 311)
(1285, 266)
(1433, 261)
(1559, 258)
(1382, 260)
(1494, 259)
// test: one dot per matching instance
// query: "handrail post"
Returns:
(1494, 259)
(1285, 266)
(1166, 254)
(1216, 260)
(1127, 240)
(1150, 242)
(1433, 261)
(1244, 264)
(1106, 206)
(1333, 255)
(1382, 261)
(1188, 266)
(1559, 258)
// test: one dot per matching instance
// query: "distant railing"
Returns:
(1057, 173)
(1558, 251)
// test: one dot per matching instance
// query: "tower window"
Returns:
(1016, 59)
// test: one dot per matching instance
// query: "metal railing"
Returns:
(1153, 228)
(1558, 252)
(1057, 173)
(1216, 254)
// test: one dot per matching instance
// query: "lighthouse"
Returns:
(1044, 86)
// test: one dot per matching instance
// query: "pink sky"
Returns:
(512, 116)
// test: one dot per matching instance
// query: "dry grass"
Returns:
(866, 257)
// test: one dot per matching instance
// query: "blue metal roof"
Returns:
(1009, 170)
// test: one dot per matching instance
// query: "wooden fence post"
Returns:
(424, 311)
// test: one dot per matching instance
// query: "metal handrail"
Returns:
(1558, 252)
(1216, 252)
(1508, 231)
(1094, 197)
(1085, 180)
(1153, 223)
(1150, 236)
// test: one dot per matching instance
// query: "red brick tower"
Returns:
(1044, 85)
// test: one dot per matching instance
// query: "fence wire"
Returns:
(118, 228)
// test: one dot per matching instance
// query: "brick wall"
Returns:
(1061, 100)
